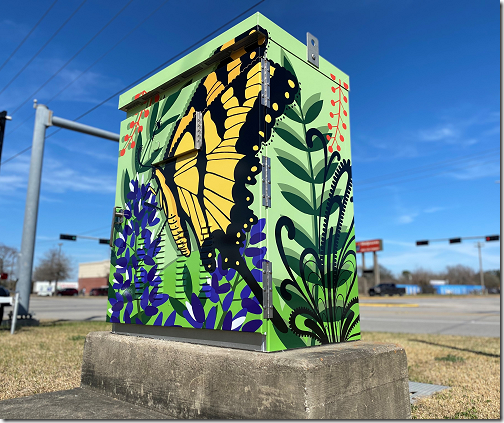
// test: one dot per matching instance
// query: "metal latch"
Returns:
(267, 280)
(117, 219)
(198, 141)
(266, 181)
(312, 49)
(265, 82)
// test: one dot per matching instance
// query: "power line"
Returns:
(94, 63)
(25, 38)
(165, 63)
(43, 47)
(426, 176)
(422, 168)
(72, 58)
(146, 75)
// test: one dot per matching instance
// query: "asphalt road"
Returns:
(469, 316)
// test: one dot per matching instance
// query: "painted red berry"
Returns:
(123, 151)
(345, 99)
(333, 103)
(330, 149)
(126, 137)
(338, 148)
(146, 113)
(344, 126)
(140, 129)
(345, 85)
(333, 89)
(329, 126)
(156, 98)
(132, 124)
(328, 137)
(133, 144)
(331, 114)
(344, 112)
(341, 138)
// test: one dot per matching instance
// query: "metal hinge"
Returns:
(117, 219)
(198, 141)
(267, 280)
(312, 49)
(265, 82)
(266, 181)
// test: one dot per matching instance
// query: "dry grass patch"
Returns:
(49, 358)
(43, 359)
(469, 365)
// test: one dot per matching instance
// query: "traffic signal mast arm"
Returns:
(74, 238)
(457, 240)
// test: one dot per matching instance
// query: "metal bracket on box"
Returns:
(266, 181)
(267, 281)
(312, 49)
(117, 219)
(198, 141)
(265, 81)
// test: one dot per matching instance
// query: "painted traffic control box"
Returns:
(234, 198)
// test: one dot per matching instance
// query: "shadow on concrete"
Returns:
(456, 348)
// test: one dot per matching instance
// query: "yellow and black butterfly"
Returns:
(205, 190)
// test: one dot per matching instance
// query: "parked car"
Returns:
(99, 292)
(68, 291)
(4, 292)
(386, 289)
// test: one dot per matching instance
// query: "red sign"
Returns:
(368, 246)
(4, 275)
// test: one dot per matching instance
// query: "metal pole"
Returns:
(79, 127)
(376, 269)
(482, 279)
(23, 286)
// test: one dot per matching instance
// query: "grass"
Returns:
(49, 358)
(469, 365)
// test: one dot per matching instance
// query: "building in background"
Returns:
(94, 275)
(45, 288)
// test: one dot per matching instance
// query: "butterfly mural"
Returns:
(205, 190)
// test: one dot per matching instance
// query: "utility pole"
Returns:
(43, 119)
(482, 279)
(376, 269)
(3, 119)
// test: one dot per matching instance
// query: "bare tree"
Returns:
(461, 275)
(8, 261)
(54, 267)
(386, 275)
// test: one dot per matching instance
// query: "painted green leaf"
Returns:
(297, 169)
(298, 202)
(165, 124)
(293, 115)
(186, 277)
(308, 103)
(302, 238)
(344, 276)
(334, 207)
(313, 112)
(287, 64)
(291, 138)
(292, 260)
(126, 187)
(169, 102)
(319, 178)
(177, 306)
(153, 118)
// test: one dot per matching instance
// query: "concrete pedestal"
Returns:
(355, 380)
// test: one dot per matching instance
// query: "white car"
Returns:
(45, 291)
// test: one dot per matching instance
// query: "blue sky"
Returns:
(425, 112)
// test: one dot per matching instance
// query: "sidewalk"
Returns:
(74, 404)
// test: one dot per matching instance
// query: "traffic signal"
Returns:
(422, 243)
(455, 240)
(3, 118)
(68, 237)
(103, 241)
(492, 238)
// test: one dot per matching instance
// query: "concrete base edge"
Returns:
(354, 380)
